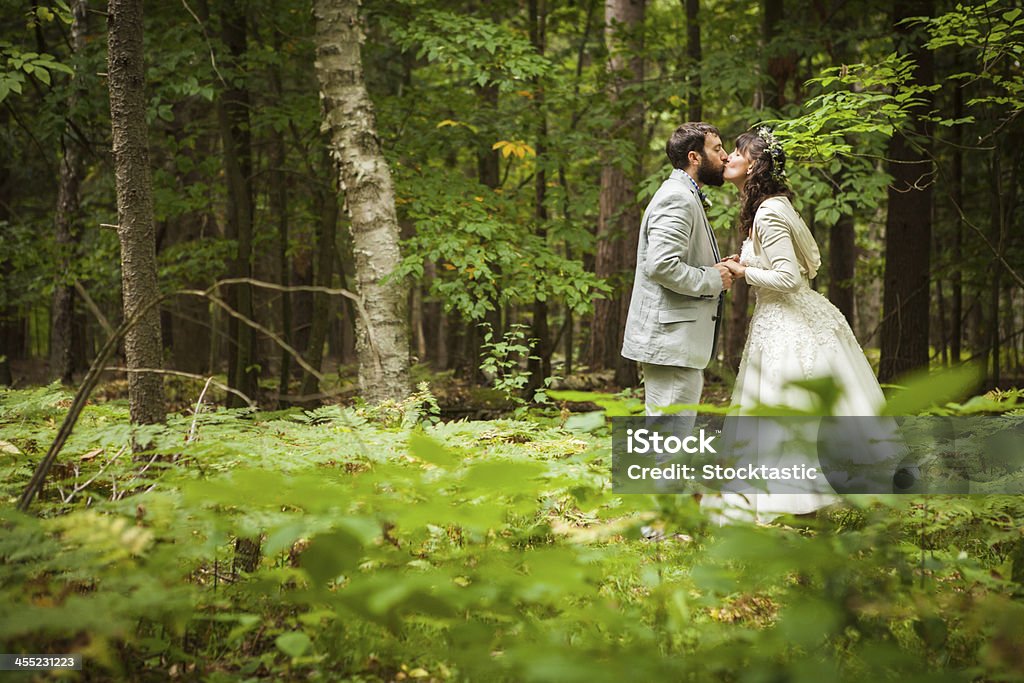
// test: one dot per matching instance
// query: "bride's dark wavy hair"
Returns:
(766, 179)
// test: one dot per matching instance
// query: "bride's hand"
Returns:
(737, 269)
(732, 257)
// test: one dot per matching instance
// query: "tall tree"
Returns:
(382, 329)
(11, 339)
(771, 96)
(540, 360)
(908, 226)
(842, 242)
(68, 184)
(126, 82)
(233, 106)
(956, 196)
(326, 238)
(619, 214)
(277, 203)
(694, 97)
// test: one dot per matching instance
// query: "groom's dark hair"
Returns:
(687, 138)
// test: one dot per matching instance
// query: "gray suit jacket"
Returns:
(675, 308)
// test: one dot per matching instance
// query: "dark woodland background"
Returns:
(243, 202)
(523, 139)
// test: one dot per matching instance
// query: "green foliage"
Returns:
(483, 51)
(18, 65)
(419, 406)
(505, 361)
(926, 390)
(486, 256)
(858, 99)
(202, 261)
(395, 546)
(471, 550)
(993, 34)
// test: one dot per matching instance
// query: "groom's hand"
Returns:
(735, 268)
(726, 275)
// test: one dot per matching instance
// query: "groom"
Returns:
(675, 310)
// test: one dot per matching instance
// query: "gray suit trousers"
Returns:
(666, 385)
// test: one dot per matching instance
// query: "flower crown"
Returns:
(774, 149)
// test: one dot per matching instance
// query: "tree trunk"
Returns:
(956, 194)
(10, 340)
(842, 261)
(189, 323)
(278, 205)
(998, 220)
(780, 63)
(734, 335)
(302, 302)
(325, 239)
(187, 319)
(488, 160)
(343, 262)
(539, 364)
(382, 331)
(62, 311)
(618, 213)
(233, 119)
(694, 99)
(842, 248)
(489, 174)
(126, 81)
(943, 337)
(908, 230)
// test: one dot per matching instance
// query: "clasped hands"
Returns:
(730, 269)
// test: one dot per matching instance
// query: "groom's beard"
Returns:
(706, 175)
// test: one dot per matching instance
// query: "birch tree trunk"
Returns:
(382, 340)
(126, 82)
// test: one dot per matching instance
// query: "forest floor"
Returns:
(386, 543)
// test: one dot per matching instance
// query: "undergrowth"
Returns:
(394, 547)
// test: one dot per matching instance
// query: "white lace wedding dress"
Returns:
(795, 334)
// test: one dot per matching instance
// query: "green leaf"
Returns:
(63, 68)
(426, 449)
(924, 390)
(331, 555)
(586, 422)
(808, 622)
(511, 477)
(293, 643)
(932, 630)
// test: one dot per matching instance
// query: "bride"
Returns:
(795, 333)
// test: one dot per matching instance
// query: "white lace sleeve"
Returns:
(772, 233)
